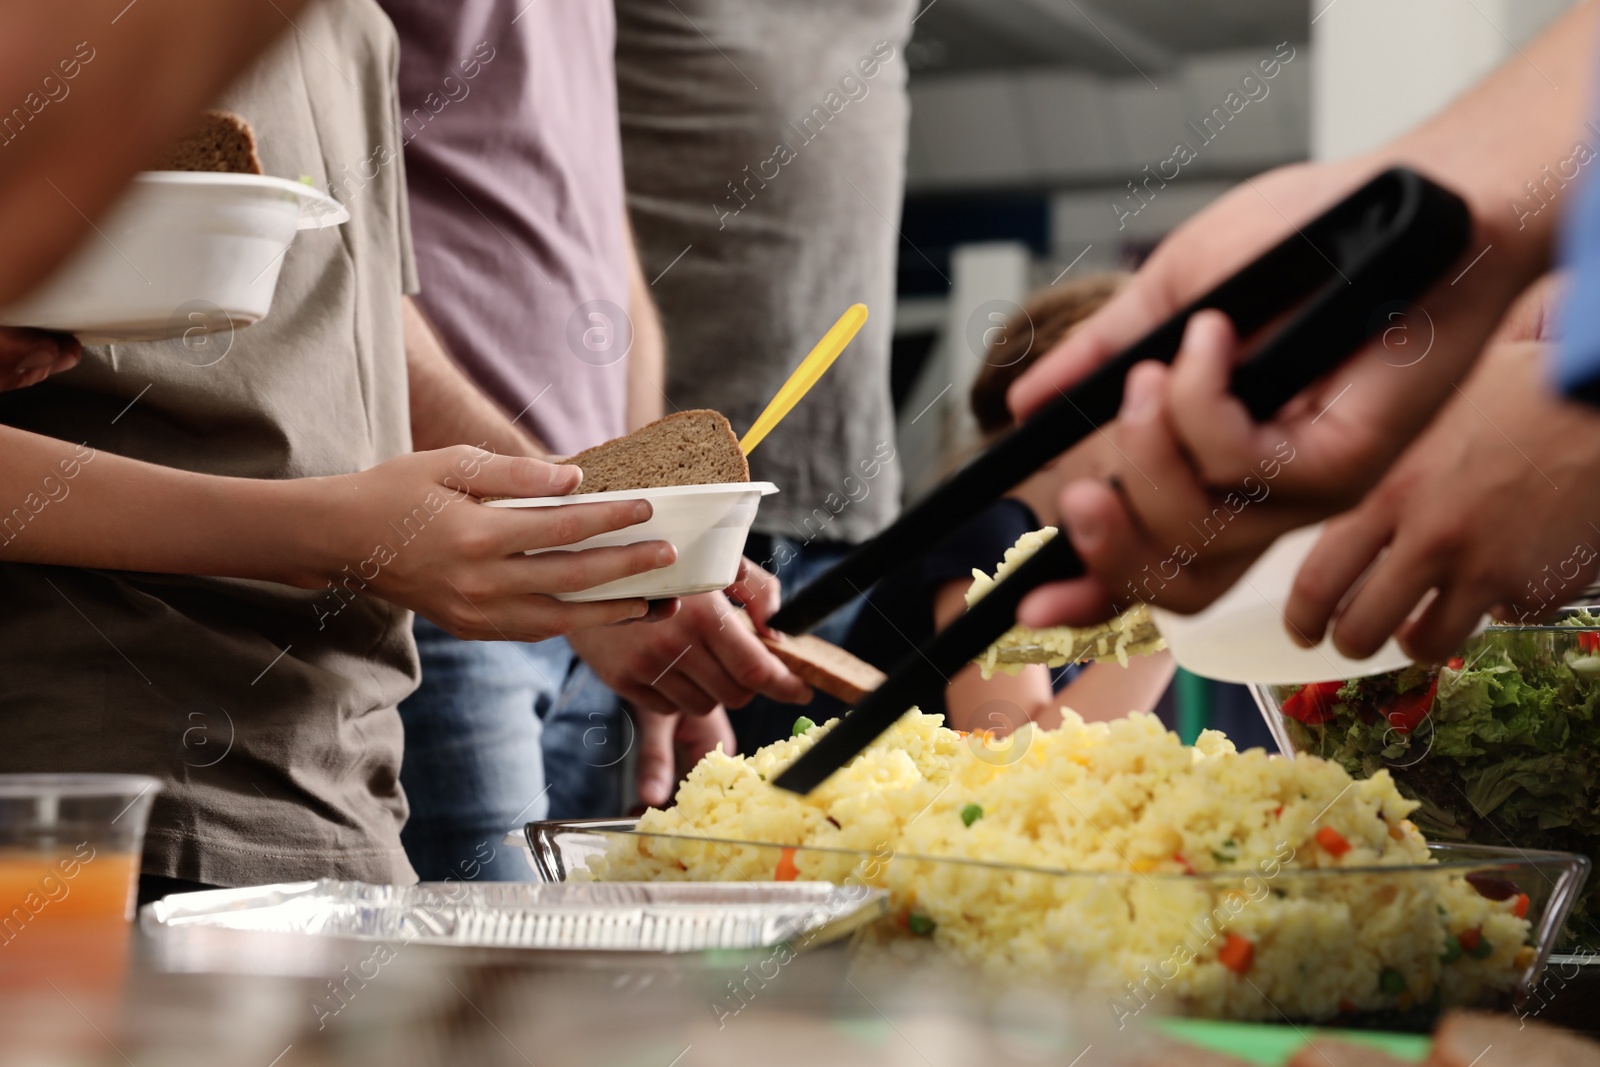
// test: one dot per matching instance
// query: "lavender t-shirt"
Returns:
(509, 119)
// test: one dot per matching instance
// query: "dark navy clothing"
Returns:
(898, 614)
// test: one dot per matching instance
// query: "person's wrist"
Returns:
(317, 527)
(1521, 246)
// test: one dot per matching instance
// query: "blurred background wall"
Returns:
(1045, 141)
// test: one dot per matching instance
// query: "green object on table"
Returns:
(1271, 1045)
(1192, 695)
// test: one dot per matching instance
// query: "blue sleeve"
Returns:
(1577, 360)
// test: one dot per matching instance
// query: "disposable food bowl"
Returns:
(1241, 637)
(182, 254)
(707, 524)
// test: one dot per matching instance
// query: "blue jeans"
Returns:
(500, 734)
(763, 720)
(587, 735)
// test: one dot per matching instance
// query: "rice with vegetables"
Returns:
(1133, 633)
(1251, 934)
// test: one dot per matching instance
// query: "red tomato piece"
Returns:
(1313, 704)
(1409, 710)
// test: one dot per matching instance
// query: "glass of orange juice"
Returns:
(69, 873)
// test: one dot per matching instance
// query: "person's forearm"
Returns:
(409, 530)
(1494, 143)
(447, 408)
(1105, 690)
(1002, 702)
(115, 83)
(71, 505)
(647, 362)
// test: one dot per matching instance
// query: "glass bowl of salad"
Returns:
(1500, 744)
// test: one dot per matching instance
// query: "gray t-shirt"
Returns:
(269, 717)
(764, 143)
(510, 124)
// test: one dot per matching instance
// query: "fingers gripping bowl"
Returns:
(707, 524)
(1110, 858)
(692, 470)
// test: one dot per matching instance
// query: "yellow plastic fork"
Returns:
(807, 374)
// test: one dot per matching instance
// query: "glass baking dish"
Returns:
(1390, 946)
(1500, 744)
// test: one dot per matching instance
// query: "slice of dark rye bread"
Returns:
(825, 666)
(219, 141)
(818, 663)
(695, 447)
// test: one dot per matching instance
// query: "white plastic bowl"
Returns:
(180, 254)
(707, 524)
(1242, 637)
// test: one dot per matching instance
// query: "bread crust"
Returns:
(826, 666)
(219, 142)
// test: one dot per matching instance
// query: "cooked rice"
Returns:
(1126, 799)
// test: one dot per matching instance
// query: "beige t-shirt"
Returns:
(270, 720)
(765, 144)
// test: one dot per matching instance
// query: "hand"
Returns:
(703, 658)
(1494, 506)
(413, 531)
(1169, 529)
(669, 747)
(28, 357)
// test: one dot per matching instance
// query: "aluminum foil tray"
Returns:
(615, 916)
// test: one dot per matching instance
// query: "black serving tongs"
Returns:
(1336, 280)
